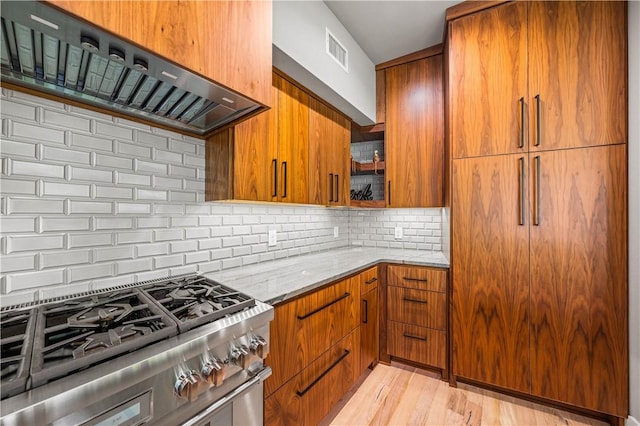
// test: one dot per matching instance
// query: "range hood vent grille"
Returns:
(49, 51)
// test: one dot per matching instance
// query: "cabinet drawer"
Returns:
(417, 277)
(305, 328)
(311, 394)
(368, 279)
(418, 307)
(418, 344)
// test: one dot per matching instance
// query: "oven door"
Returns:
(242, 406)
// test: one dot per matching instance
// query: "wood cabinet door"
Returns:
(577, 74)
(208, 37)
(490, 271)
(487, 80)
(369, 329)
(414, 136)
(293, 142)
(342, 159)
(579, 336)
(255, 171)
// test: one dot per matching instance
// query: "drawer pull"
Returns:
(331, 367)
(315, 311)
(410, 336)
(371, 281)
(366, 311)
(406, 299)
(420, 280)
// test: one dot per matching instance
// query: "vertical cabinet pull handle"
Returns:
(274, 164)
(330, 187)
(284, 186)
(337, 188)
(521, 122)
(536, 196)
(389, 191)
(366, 311)
(538, 118)
(521, 192)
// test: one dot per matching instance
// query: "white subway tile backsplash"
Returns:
(133, 208)
(141, 236)
(90, 207)
(167, 261)
(178, 171)
(182, 246)
(17, 167)
(129, 266)
(32, 280)
(197, 233)
(166, 156)
(101, 223)
(168, 234)
(91, 142)
(12, 225)
(20, 262)
(210, 243)
(82, 273)
(209, 266)
(17, 186)
(65, 155)
(138, 151)
(93, 239)
(36, 133)
(22, 149)
(112, 192)
(18, 110)
(113, 253)
(56, 224)
(63, 258)
(109, 161)
(34, 206)
(184, 221)
(184, 147)
(65, 120)
(112, 130)
(197, 257)
(152, 249)
(185, 197)
(169, 183)
(149, 167)
(152, 222)
(66, 189)
(92, 175)
(132, 179)
(146, 194)
(231, 262)
(151, 139)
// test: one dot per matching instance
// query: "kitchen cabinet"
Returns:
(329, 134)
(539, 204)
(416, 321)
(226, 41)
(369, 326)
(414, 133)
(535, 85)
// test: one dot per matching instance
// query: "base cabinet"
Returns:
(369, 324)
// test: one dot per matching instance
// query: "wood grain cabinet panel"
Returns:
(418, 307)
(487, 78)
(303, 329)
(208, 37)
(368, 280)
(414, 135)
(579, 285)
(578, 74)
(369, 329)
(416, 277)
(418, 344)
(490, 263)
(310, 395)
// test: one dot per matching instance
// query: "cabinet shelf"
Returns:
(366, 168)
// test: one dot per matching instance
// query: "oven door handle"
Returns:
(260, 377)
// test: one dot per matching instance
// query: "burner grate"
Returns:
(16, 337)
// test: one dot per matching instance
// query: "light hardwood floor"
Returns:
(401, 395)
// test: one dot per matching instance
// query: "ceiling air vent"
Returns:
(337, 51)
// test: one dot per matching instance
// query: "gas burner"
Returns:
(194, 300)
(77, 333)
(16, 337)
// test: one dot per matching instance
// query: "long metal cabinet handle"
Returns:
(366, 311)
(284, 187)
(389, 191)
(421, 280)
(521, 122)
(538, 118)
(522, 186)
(337, 188)
(371, 281)
(330, 187)
(536, 197)
(410, 336)
(274, 163)
(407, 299)
(324, 373)
(315, 311)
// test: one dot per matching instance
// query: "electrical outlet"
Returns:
(273, 238)
(398, 232)
(336, 232)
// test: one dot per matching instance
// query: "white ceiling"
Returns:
(387, 29)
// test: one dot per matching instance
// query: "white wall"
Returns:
(634, 209)
(299, 50)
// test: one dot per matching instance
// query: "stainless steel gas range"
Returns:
(180, 350)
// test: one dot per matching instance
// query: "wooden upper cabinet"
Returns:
(578, 66)
(414, 139)
(293, 142)
(490, 298)
(226, 41)
(329, 138)
(487, 80)
(579, 323)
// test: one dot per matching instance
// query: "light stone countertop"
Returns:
(279, 280)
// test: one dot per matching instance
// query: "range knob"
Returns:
(212, 372)
(258, 346)
(189, 385)
(240, 356)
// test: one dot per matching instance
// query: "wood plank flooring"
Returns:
(401, 395)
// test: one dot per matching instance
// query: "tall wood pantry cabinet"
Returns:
(538, 130)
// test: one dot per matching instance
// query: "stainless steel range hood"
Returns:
(49, 51)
